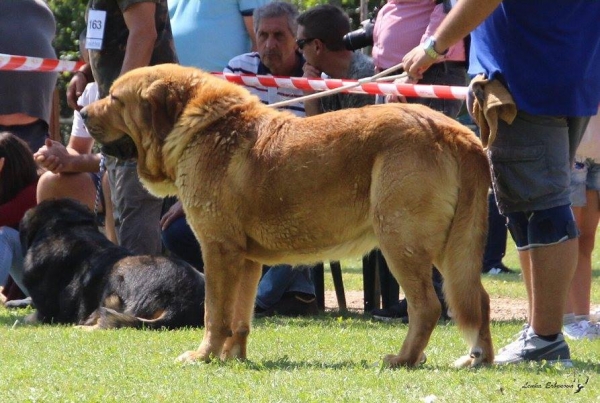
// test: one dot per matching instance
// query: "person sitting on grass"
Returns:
(18, 182)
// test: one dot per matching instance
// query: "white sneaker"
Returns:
(582, 330)
(520, 336)
(531, 347)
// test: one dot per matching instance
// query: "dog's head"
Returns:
(54, 215)
(143, 108)
(146, 101)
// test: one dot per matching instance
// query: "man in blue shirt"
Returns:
(545, 54)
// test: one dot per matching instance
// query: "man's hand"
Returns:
(416, 62)
(75, 89)
(310, 71)
(171, 215)
(53, 156)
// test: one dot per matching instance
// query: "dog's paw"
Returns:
(473, 359)
(191, 357)
(395, 361)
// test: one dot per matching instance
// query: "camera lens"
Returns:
(359, 38)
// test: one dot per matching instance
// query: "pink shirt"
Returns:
(401, 25)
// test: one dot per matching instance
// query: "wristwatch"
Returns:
(429, 48)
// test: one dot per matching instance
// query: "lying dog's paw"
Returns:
(31, 319)
(88, 328)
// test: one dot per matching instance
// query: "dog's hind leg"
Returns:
(460, 261)
(235, 346)
(223, 273)
(470, 306)
(424, 309)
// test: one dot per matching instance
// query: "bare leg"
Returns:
(587, 218)
(552, 268)
(78, 186)
(525, 260)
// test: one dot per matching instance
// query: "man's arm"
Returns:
(311, 106)
(464, 17)
(76, 157)
(139, 18)
(249, 23)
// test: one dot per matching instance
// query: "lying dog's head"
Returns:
(55, 215)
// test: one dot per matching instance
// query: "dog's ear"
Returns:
(53, 215)
(165, 106)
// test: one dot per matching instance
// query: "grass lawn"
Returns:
(328, 358)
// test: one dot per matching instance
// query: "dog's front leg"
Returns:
(223, 266)
(235, 346)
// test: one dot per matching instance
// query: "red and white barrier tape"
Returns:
(27, 63)
(302, 83)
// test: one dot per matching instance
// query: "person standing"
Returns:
(209, 33)
(400, 26)
(283, 289)
(26, 100)
(201, 41)
(585, 182)
(123, 35)
(532, 146)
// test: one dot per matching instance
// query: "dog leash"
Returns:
(377, 77)
(99, 185)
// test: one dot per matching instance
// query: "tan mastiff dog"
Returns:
(260, 186)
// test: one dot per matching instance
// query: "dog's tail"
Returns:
(463, 255)
(111, 319)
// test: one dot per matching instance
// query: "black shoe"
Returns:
(291, 304)
(399, 312)
(495, 269)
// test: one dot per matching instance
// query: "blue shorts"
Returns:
(585, 176)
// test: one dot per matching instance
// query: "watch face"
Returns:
(428, 47)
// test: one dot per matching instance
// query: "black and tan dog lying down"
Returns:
(75, 275)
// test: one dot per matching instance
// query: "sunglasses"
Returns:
(302, 42)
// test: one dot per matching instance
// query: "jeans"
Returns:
(445, 73)
(282, 279)
(179, 239)
(11, 257)
(497, 232)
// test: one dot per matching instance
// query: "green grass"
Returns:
(328, 358)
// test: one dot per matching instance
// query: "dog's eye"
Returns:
(116, 99)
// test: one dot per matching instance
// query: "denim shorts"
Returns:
(531, 161)
(585, 176)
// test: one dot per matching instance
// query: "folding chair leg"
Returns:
(338, 283)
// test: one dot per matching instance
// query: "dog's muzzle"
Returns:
(123, 148)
